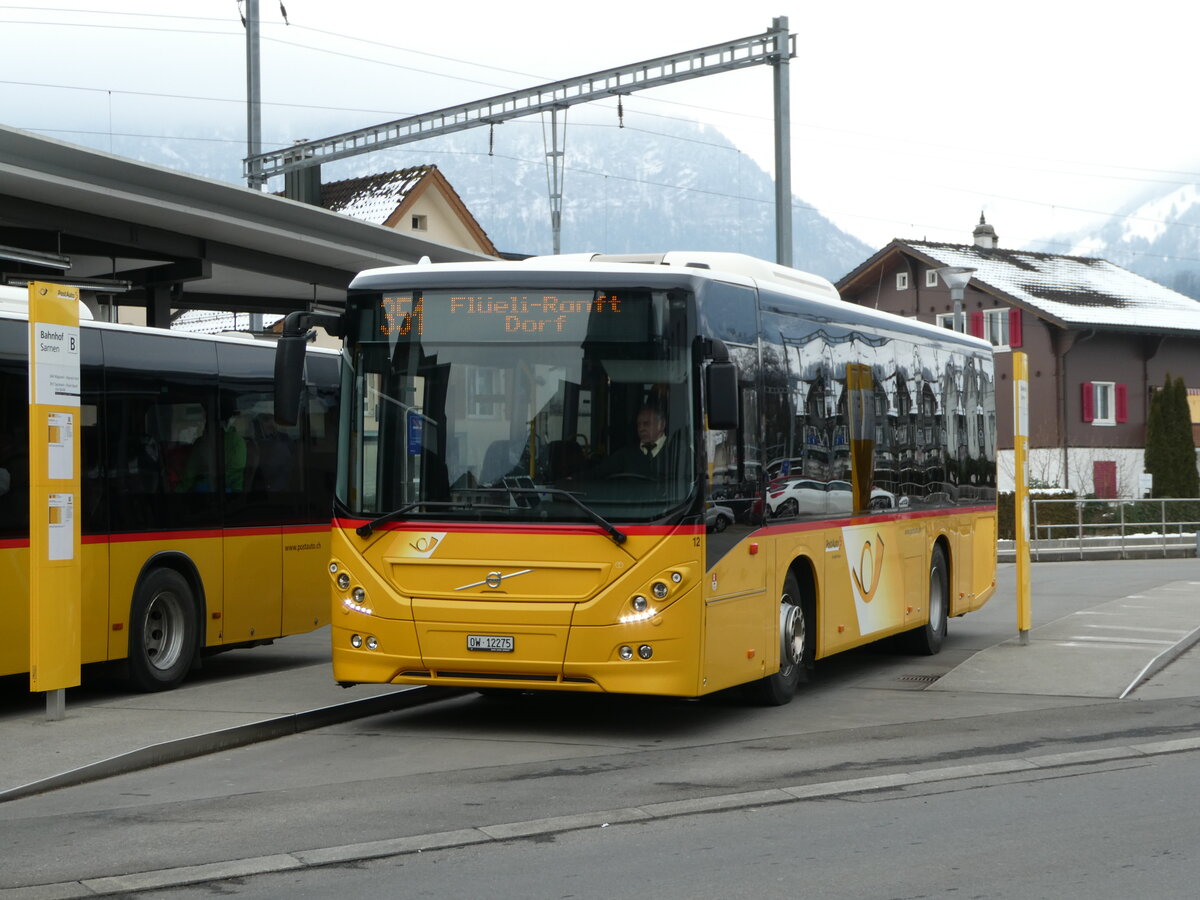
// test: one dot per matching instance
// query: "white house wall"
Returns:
(1046, 469)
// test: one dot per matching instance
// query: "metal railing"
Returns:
(1134, 528)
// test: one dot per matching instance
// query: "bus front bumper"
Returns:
(649, 658)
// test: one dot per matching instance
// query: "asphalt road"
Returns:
(1098, 832)
(473, 763)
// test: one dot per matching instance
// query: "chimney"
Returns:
(985, 235)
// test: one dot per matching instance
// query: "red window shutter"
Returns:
(1014, 327)
(977, 324)
(1089, 398)
(1122, 393)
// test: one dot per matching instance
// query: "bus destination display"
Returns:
(564, 314)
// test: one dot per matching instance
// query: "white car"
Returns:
(717, 518)
(796, 497)
(808, 497)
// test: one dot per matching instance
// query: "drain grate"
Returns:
(923, 679)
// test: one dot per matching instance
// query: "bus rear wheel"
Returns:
(162, 631)
(796, 640)
(927, 640)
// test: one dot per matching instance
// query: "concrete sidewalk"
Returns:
(238, 698)
(1101, 651)
(1104, 651)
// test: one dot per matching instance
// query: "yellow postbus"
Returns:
(204, 525)
(668, 474)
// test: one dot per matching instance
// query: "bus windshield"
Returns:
(519, 405)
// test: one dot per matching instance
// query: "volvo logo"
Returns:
(493, 580)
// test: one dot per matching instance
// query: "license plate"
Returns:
(496, 643)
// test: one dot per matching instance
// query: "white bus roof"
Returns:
(713, 264)
(737, 268)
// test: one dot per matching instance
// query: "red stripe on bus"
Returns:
(304, 529)
(249, 531)
(844, 521)
(524, 528)
(22, 543)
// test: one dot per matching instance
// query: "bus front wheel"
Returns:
(162, 631)
(927, 640)
(795, 648)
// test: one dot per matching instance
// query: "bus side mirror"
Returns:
(721, 393)
(289, 359)
(289, 377)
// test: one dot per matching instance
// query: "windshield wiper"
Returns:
(365, 530)
(615, 533)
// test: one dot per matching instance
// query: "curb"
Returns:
(281, 862)
(228, 738)
(1161, 661)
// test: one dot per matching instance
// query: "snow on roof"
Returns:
(1072, 290)
(203, 321)
(372, 197)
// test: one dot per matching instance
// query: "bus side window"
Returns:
(274, 451)
(14, 434)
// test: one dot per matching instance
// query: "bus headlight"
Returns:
(659, 590)
(358, 594)
(639, 603)
(343, 580)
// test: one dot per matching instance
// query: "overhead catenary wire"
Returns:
(939, 145)
(1136, 175)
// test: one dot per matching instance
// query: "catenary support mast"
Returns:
(783, 145)
(774, 47)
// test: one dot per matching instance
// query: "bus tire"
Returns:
(927, 640)
(162, 631)
(796, 642)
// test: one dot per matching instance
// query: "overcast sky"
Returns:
(908, 119)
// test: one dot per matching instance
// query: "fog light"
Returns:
(640, 603)
(645, 651)
(343, 581)
(626, 652)
(372, 644)
(659, 590)
(359, 595)
(356, 641)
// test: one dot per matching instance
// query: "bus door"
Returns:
(741, 626)
(295, 475)
(252, 538)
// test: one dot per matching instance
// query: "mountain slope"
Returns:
(1157, 236)
(681, 186)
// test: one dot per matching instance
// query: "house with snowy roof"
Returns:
(1099, 341)
(418, 200)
